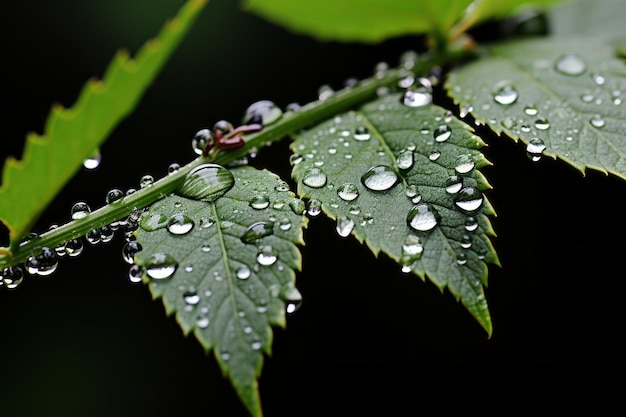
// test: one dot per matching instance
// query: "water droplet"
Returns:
(256, 345)
(461, 259)
(412, 249)
(180, 224)
(469, 199)
(135, 274)
(422, 217)
(504, 93)
(379, 178)
(191, 297)
(405, 159)
(222, 127)
(207, 182)
(535, 149)
(256, 231)
(597, 121)
(260, 202)
(295, 159)
(348, 192)
(420, 95)
(160, 266)
(153, 221)
(361, 133)
(454, 184)
(442, 133)
(314, 177)
(264, 112)
(172, 168)
(74, 247)
(471, 224)
(314, 207)
(43, 264)
(200, 140)
(206, 248)
(106, 233)
(130, 249)
(93, 236)
(266, 255)
(464, 164)
(344, 226)
(146, 181)
(11, 277)
(542, 124)
(466, 242)
(80, 210)
(434, 155)
(243, 272)
(292, 297)
(531, 110)
(93, 161)
(325, 92)
(570, 64)
(114, 196)
(508, 123)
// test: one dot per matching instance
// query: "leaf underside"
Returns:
(451, 256)
(220, 291)
(570, 95)
(72, 135)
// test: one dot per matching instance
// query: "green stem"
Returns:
(291, 122)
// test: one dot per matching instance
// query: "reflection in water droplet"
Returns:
(344, 226)
(422, 217)
(361, 133)
(200, 140)
(11, 277)
(570, 64)
(464, 164)
(348, 192)
(79, 210)
(135, 273)
(206, 182)
(180, 224)
(130, 249)
(504, 93)
(114, 196)
(468, 199)
(405, 159)
(74, 247)
(535, 149)
(419, 95)
(442, 133)
(314, 177)
(379, 178)
(256, 231)
(160, 266)
(43, 264)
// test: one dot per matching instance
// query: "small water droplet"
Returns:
(422, 217)
(535, 149)
(314, 207)
(292, 297)
(180, 224)
(146, 181)
(11, 277)
(508, 123)
(173, 168)
(135, 273)
(466, 242)
(206, 248)
(314, 177)
(598, 79)
(344, 226)
(256, 231)
(454, 184)
(74, 247)
(264, 112)
(243, 272)
(379, 178)
(93, 236)
(464, 164)
(266, 255)
(461, 259)
(202, 322)
(361, 133)
(260, 202)
(434, 155)
(531, 110)
(542, 124)
(405, 159)
(570, 64)
(113, 196)
(200, 140)
(348, 192)
(129, 250)
(468, 199)
(295, 159)
(325, 92)
(79, 210)
(43, 264)
(93, 161)
(504, 93)
(419, 95)
(207, 182)
(160, 266)
(222, 127)
(191, 297)
(412, 249)
(471, 224)
(442, 133)
(597, 121)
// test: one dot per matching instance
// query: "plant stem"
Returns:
(291, 122)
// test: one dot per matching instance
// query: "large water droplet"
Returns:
(160, 266)
(535, 149)
(180, 224)
(314, 177)
(43, 264)
(468, 199)
(405, 159)
(348, 192)
(264, 112)
(442, 133)
(79, 210)
(570, 64)
(504, 93)
(207, 182)
(379, 178)
(422, 217)
(344, 226)
(256, 231)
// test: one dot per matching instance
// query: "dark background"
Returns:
(368, 340)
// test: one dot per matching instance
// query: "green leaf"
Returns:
(335, 168)
(227, 288)
(592, 18)
(360, 20)
(567, 93)
(72, 135)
